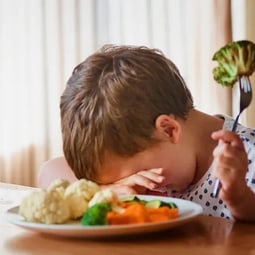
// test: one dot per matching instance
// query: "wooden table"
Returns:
(203, 235)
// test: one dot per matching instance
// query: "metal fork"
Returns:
(245, 100)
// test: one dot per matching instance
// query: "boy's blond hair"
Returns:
(111, 102)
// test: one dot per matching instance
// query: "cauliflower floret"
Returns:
(104, 195)
(60, 202)
(59, 185)
(45, 207)
(78, 195)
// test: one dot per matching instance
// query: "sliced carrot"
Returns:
(137, 213)
(163, 213)
(134, 213)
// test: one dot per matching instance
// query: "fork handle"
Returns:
(216, 188)
(235, 123)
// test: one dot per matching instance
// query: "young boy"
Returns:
(128, 121)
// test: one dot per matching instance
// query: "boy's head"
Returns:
(111, 103)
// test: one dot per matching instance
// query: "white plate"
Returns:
(187, 211)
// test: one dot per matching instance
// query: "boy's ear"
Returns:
(169, 127)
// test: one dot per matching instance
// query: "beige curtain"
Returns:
(42, 40)
(40, 43)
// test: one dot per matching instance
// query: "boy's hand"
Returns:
(230, 166)
(147, 179)
(143, 182)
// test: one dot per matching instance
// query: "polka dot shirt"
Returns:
(201, 192)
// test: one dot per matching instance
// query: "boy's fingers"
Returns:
(225, 150)
(155, 177)
(156, 170)
(228, 137)
(143, 181)
(139, 180)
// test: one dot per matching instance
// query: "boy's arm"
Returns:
(230, 166)
(243, 208)
(140, 183)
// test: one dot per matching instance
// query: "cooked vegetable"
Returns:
(131, 199)
(152, 204)
(234, 59)
(162, 213)
(136, 213)
(131, 211)
(60, 202)
(104, 195)
(45, 207)
(59, 185)
(63, 201)
(78, 195)
(159, 203)
(96, 214)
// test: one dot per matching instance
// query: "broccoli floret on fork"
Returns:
(234, 60)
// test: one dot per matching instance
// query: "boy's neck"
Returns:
(203, 143)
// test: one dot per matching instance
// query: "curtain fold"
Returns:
(22, 91)
(41, 41)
